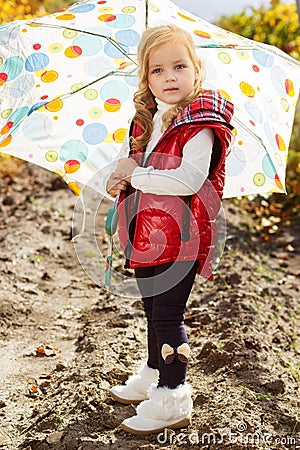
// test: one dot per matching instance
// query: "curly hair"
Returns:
(144, 100)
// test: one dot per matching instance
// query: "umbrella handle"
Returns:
(111, 224)
(112, 219)
(108, 272)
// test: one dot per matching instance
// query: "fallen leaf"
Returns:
(46, 350)
(34, 388)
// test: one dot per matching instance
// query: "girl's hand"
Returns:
(116, 183)
(127, 166)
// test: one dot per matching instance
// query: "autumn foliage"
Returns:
(18, 9)
(279, 26)
(11, 10)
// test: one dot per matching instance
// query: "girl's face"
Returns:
(171, 75)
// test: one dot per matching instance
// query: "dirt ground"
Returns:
(64, 341)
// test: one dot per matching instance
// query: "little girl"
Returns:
(170, 190)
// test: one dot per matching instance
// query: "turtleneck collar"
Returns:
(162, 107)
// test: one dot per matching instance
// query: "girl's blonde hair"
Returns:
(144, 100)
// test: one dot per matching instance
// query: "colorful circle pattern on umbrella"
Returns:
(11, 68)
(38, 129)
(6, 113)
(259, 179)
(254, 112)
(55, 48)
(121, 21)
(95, 113)
(73, 51)
(36, 61)
(89, 45)
(242, 54)
(280, 143)
(66, 16)
(118, 88)
(49, 76)
(129, 38)
(268, 167)
(82, 8)
(131, 80)
(51, 156)
(54, 105)
(91, 94)
(70, 34)
(73, 150)
(94, 133)
(113, 51)
(119, 135)
(20, 86)
(59, 62)
(15, 118)
(263, 59)
(112, 105)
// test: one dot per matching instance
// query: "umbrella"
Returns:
(67, 81)
(66, 87)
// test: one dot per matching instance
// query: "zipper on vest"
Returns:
(184, 236)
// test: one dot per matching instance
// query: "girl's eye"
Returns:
(179, 66)
(156, 71)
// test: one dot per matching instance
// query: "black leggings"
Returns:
(165, 289)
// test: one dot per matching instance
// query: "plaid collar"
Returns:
(211, 106)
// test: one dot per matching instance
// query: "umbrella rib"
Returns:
(64, 96)
(249, 131)
(112, 41)
(278, 52)
(282, 55)
(257, 138)
(257, 44)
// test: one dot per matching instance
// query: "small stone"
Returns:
(201, 399)
(8, 200)
(46, 229)
(60, 366)
(4, 439)
(55, 437)
(275, 386)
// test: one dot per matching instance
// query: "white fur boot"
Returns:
(136, 387)
(166, 408)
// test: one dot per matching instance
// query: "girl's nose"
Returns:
(170, 76)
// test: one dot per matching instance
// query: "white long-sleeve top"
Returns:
(189, 176)
(184, 180)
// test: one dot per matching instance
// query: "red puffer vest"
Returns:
(156, 229)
